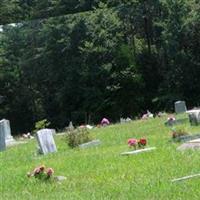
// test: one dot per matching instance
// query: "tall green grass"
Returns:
(100, 172)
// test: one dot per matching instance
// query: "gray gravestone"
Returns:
(192, 145)
(2, 138)
(194, 116)
(180, 107)
(5, 127)
(46, 141)
(90, 144)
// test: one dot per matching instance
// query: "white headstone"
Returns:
(180, 107)
(194, 116)
(2, 138)
(5, 127)
(46, 141)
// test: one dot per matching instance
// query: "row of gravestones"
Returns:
(44, 138)
(194, 115)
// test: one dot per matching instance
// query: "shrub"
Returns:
(78, 136)
(41, 124)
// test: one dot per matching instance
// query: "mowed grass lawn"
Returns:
(100, 172)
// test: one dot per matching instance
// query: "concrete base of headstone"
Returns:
(190, 145)
(90, 144)
(138, 151)
(14, 143)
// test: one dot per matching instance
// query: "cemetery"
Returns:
(91, 167)
(99, 100)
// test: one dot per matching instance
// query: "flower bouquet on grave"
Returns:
(141, 143)
(41, 173)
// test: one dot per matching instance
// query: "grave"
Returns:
(5, 127)
(185, 178)
(90, 144)
(176, 122)
(186, 138)
(46, 141)
(138, 151)
(125, 120)
(194, 117)
(190, 145)
(180, 107)
(2, 139)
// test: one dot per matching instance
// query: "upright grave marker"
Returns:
(194, 116)
(5, 127)
(180, 107)
(46, 141)
(2, 138)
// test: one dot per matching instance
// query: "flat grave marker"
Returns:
(138, 151)
(90, 144)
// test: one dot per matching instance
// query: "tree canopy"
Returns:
(117, 60)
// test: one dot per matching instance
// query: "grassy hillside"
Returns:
(100, 172)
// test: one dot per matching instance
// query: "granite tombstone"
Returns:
(180, 107)
(46, 141)
(5, 127)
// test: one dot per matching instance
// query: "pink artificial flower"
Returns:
(132, 142)
(36, 171)
(50, 171)
(105, 121)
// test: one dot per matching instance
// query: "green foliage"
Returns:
(78, 136)
(114, 61)
(41, 124)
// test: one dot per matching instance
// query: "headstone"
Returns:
(186, 138)
(2, 138)
(194, 117)
(137, 151)
(90, 144)
(5, 127)
(192, 145)
(125, 120)
(71, 127)
(180, 107)
(46, 141)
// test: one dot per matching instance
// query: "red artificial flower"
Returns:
(142, 141)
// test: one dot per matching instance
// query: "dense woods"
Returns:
(83, 60)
